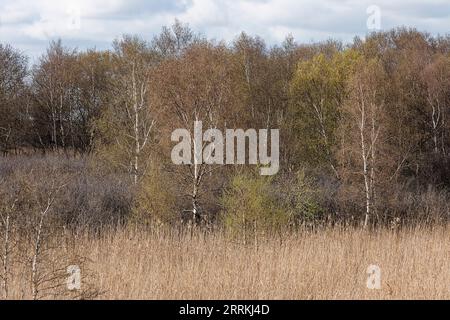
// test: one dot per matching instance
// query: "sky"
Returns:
(30, 25)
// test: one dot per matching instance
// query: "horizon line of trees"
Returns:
(365, 127)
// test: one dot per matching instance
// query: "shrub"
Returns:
(155, 200)
(249, 206)
(299, 196)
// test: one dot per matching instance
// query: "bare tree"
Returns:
(54, 91)
(13, 71)
(174, 40)
(6, 223)
(195, 87)
(127, 126)
(40, 278)
(437, 79)
(364, 126)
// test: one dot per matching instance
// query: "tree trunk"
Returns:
(137, 147)
(6, 257)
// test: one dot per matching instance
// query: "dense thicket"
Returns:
(365, 126)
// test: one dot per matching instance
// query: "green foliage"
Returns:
(124, 129)
(249, 206)
(254, 203)
(112, 145)
(155, 201)
(317, 91)
(299, 197)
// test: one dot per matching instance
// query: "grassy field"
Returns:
(328, 264)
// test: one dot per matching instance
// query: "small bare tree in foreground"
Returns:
(38, 278)
(48, 263)
(6, 223)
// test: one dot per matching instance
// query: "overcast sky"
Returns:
(29, 25)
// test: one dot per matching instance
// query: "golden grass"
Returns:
(328, 264)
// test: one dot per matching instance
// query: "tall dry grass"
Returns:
(328, 264)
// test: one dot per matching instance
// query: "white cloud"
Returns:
(29, 25)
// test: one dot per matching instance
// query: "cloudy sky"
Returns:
(29, 25)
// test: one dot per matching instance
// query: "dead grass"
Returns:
(329, 264)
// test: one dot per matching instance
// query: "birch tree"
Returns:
(317, 92)
(6, 232)
(363, 121)
(437, 80)
(194, 88)
(127, 126)
(54, 91)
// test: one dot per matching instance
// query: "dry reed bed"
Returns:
(329, 264)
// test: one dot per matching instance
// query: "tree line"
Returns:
(364, 126)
